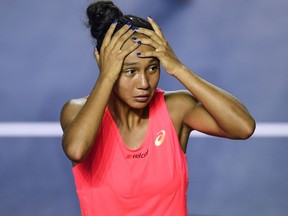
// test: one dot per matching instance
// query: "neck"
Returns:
(125, 116)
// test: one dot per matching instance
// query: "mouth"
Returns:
(142, 98)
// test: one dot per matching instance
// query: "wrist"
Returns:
(103, 77)
(178, 71)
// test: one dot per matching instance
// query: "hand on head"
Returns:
(162, 51)
(112, 53)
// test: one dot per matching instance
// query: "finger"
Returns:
(150, 54)
(122, 40)
(130, 49)
(148, 41)
(150, 34)
(109, 34)
(119, 34)
(156, 27)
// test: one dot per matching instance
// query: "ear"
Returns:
(97, 56)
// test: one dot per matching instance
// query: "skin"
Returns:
(126, 84)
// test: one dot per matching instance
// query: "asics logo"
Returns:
(160, 137)
(158, 142)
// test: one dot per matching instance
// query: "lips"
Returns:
(142, 98)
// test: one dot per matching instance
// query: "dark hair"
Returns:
(101, 14)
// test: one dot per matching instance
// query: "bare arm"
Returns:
(210, 110)
(215, 111)
(81, 121)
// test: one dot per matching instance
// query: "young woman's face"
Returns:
(138, 79)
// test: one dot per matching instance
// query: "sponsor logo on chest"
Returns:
(158, 142)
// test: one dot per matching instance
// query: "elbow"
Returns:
(75, 156)
(74, 152)
(247, 129)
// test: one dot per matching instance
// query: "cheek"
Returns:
(124, 82)
(122, 86)
(155, 79)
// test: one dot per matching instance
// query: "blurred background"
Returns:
(46, 58)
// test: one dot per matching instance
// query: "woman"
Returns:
(127, 139)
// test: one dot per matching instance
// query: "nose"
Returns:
(143, 81)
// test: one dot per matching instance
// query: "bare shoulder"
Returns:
(70, 110)
(179, 103)
(181, 98)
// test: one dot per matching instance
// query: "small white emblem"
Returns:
(160, 138)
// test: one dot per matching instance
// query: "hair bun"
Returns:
(100, 16)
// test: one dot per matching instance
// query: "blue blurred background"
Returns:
(46, 58)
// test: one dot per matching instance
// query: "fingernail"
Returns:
(149, 17)
(129, 24)
(134, 28)
(134, 38)
(139, 42)
(114, 21)
(139, 53)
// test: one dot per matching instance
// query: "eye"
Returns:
(130, 72)
(153, 69)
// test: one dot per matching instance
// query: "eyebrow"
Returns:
(135, 63)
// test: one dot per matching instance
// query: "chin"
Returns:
(140, 106)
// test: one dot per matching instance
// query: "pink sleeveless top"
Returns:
(149, 181)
